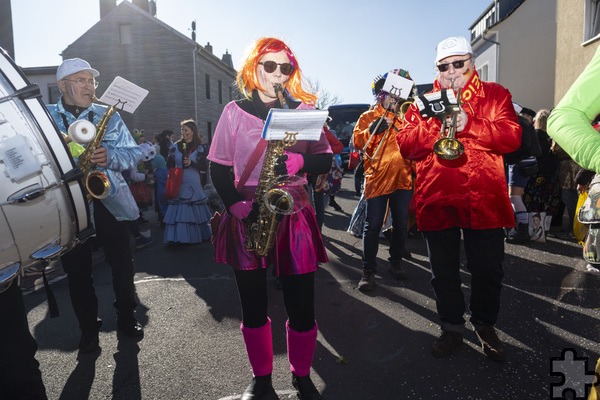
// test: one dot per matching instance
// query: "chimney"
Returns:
(106, 6)
(227, 59)
(7, 41)
(152, 7)
(208, 47)
(143, 4)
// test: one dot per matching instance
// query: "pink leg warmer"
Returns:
(301, 347)
(259, 345)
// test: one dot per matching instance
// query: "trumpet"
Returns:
(448, 147)
(401, 112)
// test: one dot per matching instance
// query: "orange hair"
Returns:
(247, 80)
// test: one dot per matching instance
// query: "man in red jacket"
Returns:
(466, 195)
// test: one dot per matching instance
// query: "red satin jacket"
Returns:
(470, 191)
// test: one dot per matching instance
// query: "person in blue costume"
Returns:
(188, 215)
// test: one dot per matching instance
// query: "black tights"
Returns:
(298, 297)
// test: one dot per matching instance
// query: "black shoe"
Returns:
(397, 270)
(90, 341)
(261, 388)
(143, 241)
(130, 327)
(491, 344)
(446, 343)
(367, 281)
(519, 236)
(335, 205)
(305, 387)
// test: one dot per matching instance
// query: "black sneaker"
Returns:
(397, 270)
(143, 241)
(335, 205)
(491, 344)
(446, 343)
(306, 388)
(367, 281)
(261, 387)
(130, 327)
(90, 341)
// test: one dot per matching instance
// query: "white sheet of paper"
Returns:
(398, 86)
(123, 91)
(307, 124)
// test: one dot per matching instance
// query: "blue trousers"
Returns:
(376, 212)
(485, 253)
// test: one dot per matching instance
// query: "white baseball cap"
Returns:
(72, 66)
(517, 107)
(453, 46)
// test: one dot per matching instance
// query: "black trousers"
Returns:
(113, 236)
(484, 249)
(20, 376)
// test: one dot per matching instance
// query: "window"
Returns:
(53, 93)
(220, 92)
(209, 131)
(125, 33)
(230, 93)
(207, 84)
(483, 72)
(592, 19)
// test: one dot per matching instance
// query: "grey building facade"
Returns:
(184, 79)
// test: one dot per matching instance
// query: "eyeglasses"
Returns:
(271, 66)
(84, 82)
(456, 64)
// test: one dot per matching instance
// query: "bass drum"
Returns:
(43, 206)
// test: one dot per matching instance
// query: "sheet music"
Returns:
(126, 92)
(307, 124)
(398, 86)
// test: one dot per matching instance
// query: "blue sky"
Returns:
(341, 45)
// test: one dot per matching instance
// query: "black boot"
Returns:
(521, 236)
(261, 388)
(305, 387)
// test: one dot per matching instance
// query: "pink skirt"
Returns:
(298, 245)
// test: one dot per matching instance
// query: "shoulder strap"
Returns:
(262, 144)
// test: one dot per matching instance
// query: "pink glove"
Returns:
(241, 209)
(293, 163)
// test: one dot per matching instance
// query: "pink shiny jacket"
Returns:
(471, 191)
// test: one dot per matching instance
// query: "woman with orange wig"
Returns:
(298, 245)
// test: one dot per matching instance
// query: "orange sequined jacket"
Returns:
(389, 171)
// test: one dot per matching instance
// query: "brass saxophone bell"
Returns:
(97, 185)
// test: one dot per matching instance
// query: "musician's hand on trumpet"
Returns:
(461, 120)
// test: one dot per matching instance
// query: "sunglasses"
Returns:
(456, 64)
(271, 66)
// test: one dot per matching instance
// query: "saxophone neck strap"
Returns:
(260, 147)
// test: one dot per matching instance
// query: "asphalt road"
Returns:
(370, 346)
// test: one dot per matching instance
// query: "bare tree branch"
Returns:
(324, 97)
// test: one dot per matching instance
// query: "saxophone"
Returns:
(96, 182)
(274, 202)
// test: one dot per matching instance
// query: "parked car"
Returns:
(343, 120)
